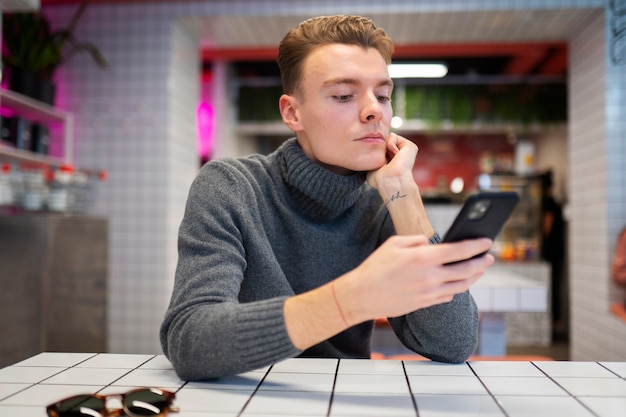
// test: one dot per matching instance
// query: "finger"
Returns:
(445, 296)
(390, 154)
(392, 146)
(401, 141)
(463, 250)
(464, 284)
(450, 289)
(408, 241)
(470, 270)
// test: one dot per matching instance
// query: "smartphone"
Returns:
(482, 215)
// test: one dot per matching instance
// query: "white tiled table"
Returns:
(330, 387)
(498, 292)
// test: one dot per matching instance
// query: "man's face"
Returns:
(343, 108)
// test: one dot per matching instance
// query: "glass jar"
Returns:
(35, 189)
(60, 196)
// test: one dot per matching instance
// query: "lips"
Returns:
(374, 137)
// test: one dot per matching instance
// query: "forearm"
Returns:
(396, 186)
(216, 340)
(406, 208)
(403, 278)
(315, 316)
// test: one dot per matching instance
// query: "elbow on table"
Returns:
(459, 357)
(458, 352)
(182, 354)
(452, 348)
(194, 361)
(454, 357)
(189, 367)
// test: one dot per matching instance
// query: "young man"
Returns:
(296, 253)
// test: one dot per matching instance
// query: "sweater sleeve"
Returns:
(207, 331)
(445, 332)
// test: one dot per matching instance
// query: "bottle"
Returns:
(60, 181)
(6, 191)
(86, 188)
(35, 188)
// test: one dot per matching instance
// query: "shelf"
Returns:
(278, 128)
(31, 109)
(35, 111)
(19, 5)
(263, 128)
(10, 154)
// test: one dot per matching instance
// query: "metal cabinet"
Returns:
(53, 275)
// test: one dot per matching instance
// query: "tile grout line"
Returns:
(406, 376)
(32, 384)
(121, 376)
(332, 393)
(256, 389)
(493, 397)
(611, 371)
(75, 365)
(563, 388)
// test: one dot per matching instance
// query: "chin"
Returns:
(367, 167)
(374, 164)
(364, 164)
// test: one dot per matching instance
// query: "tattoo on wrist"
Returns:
(394, 197)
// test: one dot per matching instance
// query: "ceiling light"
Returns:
(430, 70)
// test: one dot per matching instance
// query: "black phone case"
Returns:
(466, 225)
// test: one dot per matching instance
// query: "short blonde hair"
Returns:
(326, 30)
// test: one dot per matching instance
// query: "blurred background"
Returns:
(98, 172)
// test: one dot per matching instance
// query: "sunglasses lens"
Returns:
(81, 406)
(150, 402)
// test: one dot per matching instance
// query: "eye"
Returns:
(343, 97)
(383, 99)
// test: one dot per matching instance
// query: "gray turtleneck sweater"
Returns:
(259, 229)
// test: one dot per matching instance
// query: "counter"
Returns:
(53, 275)
(330, 387)
(502, 291)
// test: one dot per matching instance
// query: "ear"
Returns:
(289, 112)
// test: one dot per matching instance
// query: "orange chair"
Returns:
(407, 357)
(523, 358)
(381, 322)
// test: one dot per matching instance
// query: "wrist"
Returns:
(406, 208)
(318, 314)
(347, 292)
(338, 305)
(397, 188)
(435, 239)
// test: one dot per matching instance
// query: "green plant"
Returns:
(30, 44)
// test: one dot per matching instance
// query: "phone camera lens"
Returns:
(479, 209)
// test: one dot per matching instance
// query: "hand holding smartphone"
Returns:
(482, 215)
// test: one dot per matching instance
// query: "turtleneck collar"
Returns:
(317, 191)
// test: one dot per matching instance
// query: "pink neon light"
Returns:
(204, 116)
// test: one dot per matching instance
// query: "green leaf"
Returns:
(30, 44)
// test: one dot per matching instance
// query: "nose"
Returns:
(372, 109)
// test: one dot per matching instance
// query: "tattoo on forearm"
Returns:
(394, 197)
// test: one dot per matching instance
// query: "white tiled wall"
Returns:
(136, 120)
(597, 189)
